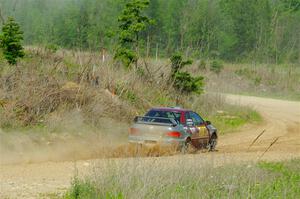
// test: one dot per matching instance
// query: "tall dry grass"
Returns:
(267, 80)
(262, 79)
(187, 177)
(46, 85)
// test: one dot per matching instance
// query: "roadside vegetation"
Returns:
(73, 105)
(279, 81)
(51, 91)
(190, 179)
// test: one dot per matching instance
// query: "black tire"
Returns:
(213, 142)
(187, 147)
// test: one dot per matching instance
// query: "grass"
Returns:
(235, 118)
(82, 190)
(279, 81)
(138, 179)
(286, 180)
(227, 118)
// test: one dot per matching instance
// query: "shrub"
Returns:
(81, 190)
(216, 66)
(187, 84)
(250, 74)
(52, 48)
(202, 65)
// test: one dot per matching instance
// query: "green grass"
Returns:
(80, 189)
(262, 180)
(286, 180)
(235, 118)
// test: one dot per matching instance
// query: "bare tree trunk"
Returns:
(187, 51)
(137, 50)
(156, 52)
(168, 43)
(103, 55)
(15, 5)
(1, 16)
(148, 45)
(181, 41)
(274, 32)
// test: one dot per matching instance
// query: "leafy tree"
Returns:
(183, 81)
(103, 23)
(292, 5)
(244, 15)
(82, 28)
(171, 14)
(10, 41)
(131, 23)
(235, 30)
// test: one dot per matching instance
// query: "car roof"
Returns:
(177, 109)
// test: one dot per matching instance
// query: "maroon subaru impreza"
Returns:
(173, 125)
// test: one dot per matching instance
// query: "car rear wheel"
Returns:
(212, 143)
(187, 147)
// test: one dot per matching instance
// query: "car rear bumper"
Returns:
(161, 141)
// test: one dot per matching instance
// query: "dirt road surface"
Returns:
(281, 127)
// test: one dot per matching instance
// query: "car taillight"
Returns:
(133, 131)
(174, 134)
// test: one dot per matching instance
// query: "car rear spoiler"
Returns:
(155, 120)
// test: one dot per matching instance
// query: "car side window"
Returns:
(196, 118)
(177, 116)
(187, 116)
(170, 115)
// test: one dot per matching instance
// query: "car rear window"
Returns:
(154, 119)
(164, 114)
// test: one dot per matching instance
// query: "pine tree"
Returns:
(183, 82)
(131, 22)
(10, 41)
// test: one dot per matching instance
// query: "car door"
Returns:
(200, 124)
(192, 129)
